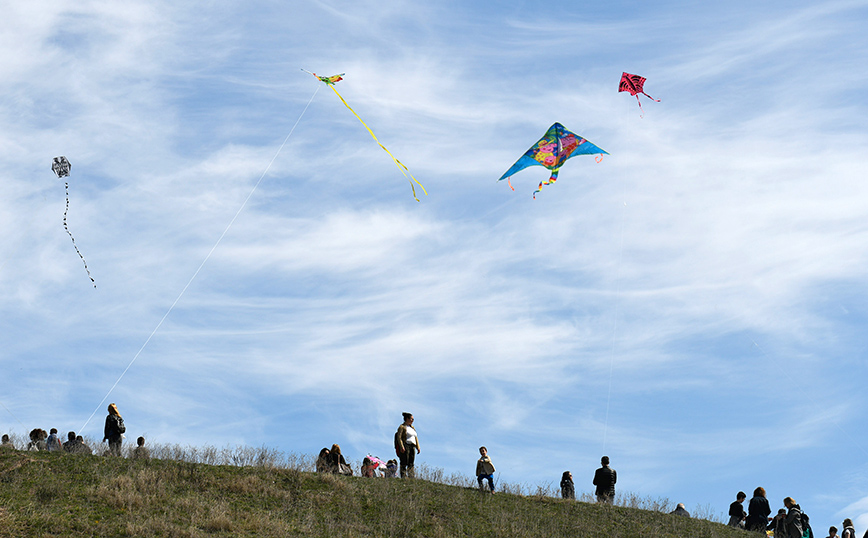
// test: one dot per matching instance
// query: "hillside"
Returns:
(49, 494)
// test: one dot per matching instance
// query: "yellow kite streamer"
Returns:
(330, 81)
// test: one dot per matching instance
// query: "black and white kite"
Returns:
(61, 168)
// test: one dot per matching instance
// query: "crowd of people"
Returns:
(789, 522)
(113, 434)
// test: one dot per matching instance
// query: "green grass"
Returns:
(51, 494)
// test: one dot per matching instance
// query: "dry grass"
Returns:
(199, 492)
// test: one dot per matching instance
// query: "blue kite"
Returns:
(552, 151)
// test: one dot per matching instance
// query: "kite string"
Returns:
(66, 183)
(225, 231)
(615, 323)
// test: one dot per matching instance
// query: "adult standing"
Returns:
(605, 478)
(407, 446)
(758, 511)
(849, 531)
(568, 487)
(794, 518)
(114, 430)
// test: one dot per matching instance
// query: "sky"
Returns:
(692, 306)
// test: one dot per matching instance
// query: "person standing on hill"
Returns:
(605, 478)
(114, 430)
(407, 446)
(849, 531)
(568, 487)
(485, 469)
(793, 519)
(736, 511)
(758, 511)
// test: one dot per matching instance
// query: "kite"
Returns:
(552, 151)
(61, 168)
(633, 84)
(330, 81)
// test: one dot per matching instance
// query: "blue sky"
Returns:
(693, 306)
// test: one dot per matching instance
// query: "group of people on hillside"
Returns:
(113, 433)
(789, 522)
(604, 481)
(406, 448)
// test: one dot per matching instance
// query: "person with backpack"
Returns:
(114, 430)
(793, 519)
(407, 446)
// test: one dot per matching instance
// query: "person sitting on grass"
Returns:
(141, 452)
(485, 469)
(322, 461)
(6, 442)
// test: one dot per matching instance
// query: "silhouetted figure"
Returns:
(337, 463)
(81, 447)
(568, 487)
(833, 532)
(737, 514)
(758, 511)
(6, 442)
(605, 478)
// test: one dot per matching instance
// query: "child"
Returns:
(391, 469)
(833, 532)
(485, 469)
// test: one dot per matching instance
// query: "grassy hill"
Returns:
(51, 494)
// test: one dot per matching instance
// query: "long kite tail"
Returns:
(73, 239)
(404, 170)
(549, 181)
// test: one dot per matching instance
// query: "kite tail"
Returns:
(73, 239)
(642, 113)
(508, 182)
(549, 181)
(649, 97)
(599, 158)
(403, 168)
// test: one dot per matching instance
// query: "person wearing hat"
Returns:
(114, 430)
(407, 446)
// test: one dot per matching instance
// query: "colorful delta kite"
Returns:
(552, 151)
(330, 82)
(633, 84)
(61, 167)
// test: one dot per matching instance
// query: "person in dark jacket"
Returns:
(114, 430)
(793, 519)
(758, 511)
(849, 531)
(680, 511)
(605, 478)
(568, 487)
(736, 511)
(337, 463)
